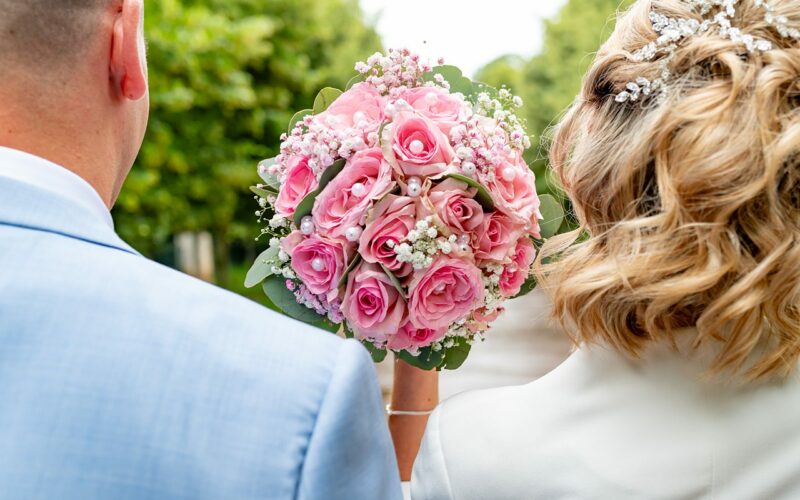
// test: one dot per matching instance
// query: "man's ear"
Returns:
(127, 64)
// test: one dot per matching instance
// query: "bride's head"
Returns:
(689, 196)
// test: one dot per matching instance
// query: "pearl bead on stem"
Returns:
(318, 265)
(414, 187)
(509, 174)
(307, 225)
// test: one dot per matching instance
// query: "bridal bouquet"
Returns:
(402, 212)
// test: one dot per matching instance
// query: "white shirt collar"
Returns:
(44, 174)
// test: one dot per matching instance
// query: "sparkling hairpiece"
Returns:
(672, 31)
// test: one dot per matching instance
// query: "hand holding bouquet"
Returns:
(403, 211)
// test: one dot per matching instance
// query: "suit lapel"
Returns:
(26, 206)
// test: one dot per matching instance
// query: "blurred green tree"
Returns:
(226, 77)
(549, 81)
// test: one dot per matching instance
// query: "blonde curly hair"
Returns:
(689, 207)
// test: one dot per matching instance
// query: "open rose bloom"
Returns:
(401, 212)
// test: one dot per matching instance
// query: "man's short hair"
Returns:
(36, 33)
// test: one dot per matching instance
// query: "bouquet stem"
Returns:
(414, 390)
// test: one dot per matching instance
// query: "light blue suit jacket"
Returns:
(122, 379)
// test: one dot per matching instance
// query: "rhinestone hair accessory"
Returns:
(672, 31)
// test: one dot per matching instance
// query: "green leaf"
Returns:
(298, 117)
(307, 205)
(261, 192)
(483, 197)
(455, 356)
(395, 282)
(261, 268)
(552, 216)
(458, 82)
(328, 326)
(378, 355)
(273, 183)
(480, 87)
(353, 81)
(427, 359)
(275, 289)
(527, 287)
(325, 98)
(356, 260)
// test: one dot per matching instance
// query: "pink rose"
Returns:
(320, 264)
(421, 149)
(344, 202)
(300, 180)
(361, 107)
(444, 293)
(413, 338)
(496, 238)
(374, 308)
(289, 243)
(443, 108)
(390, 223)
(454, 203)
(515, 274)
(514, 191)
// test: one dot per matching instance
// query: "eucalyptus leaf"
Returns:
(263, 193)
(325, 98)
(378, 355)
(328, 325)
(307, 205)
(261, 268)
(297, 118)
(552, 216)
(275, 289)
(427, 359)
(354, 81)
(263, 171)
(480, 88)
(458, 82)
(527, 287)
(455, 356)
(483, 197)
(395, 282)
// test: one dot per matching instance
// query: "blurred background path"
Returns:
(521, 347)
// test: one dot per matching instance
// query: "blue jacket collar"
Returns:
(26, 206)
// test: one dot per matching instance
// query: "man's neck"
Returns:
(53, 136)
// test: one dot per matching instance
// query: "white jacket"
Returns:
(603, 427)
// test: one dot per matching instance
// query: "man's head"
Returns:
(74, 84)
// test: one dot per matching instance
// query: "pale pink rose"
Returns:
(496, 238)
(444, 293)
(289, 243)
(454, 203)
(389, 224)
(413, 338)
(341, 206)
(514, 191)
(360, 107)
(300, 180)
(374, 308)
(421, 149)
(320, 264)
(482, 319)
(443, 108)
(515, 274)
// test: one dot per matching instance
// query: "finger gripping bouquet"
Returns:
(402, 211)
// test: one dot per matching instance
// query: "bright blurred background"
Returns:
(226, 76)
